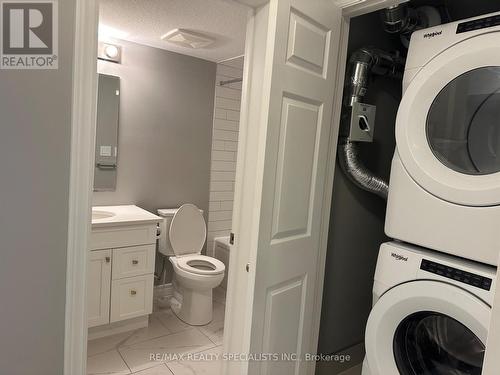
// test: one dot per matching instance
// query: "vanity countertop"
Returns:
(110, 216)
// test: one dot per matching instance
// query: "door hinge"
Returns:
(231, 238)
(247, 267)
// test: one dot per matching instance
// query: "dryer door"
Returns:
(448, 123)
(427, 328)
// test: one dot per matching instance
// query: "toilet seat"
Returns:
(200, 264)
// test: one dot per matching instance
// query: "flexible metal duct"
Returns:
(367, 61)
(362, 64)
(356, 171)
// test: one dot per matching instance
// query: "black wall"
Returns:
(357, 217)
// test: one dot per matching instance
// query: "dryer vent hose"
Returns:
(364, 63)
(355, 170)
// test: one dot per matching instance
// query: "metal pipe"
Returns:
(404, 20)
(400, 19)
(362, 64)
(365, 62)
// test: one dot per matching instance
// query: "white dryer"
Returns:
(430, 315)
(444, 189)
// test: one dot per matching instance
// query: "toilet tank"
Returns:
(164, 246)
(221, 252)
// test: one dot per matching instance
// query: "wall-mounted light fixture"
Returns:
(109, 52)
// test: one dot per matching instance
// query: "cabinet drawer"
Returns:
(133, 261)
(109, 238)
(131, 297)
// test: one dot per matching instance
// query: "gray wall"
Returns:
(357, 217)
(165, 131)
(34, 165)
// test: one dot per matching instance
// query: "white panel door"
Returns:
(281, 183)
(98, 287)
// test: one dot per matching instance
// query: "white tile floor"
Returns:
(169, 338)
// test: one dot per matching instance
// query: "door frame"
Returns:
(83, 116)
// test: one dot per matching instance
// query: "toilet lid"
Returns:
(187, 230)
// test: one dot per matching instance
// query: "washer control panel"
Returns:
(480, 23)
(456, 274)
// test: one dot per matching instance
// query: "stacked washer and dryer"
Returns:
(434, 285)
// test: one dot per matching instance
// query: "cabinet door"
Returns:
(98, 287)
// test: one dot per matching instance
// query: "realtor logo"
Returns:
(29, 35)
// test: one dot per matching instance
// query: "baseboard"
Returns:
(118, 327)
(356, 355)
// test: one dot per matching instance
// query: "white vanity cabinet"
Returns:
(121, 271)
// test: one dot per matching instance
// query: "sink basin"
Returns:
(99, 215)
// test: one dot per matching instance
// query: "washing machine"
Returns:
(430, 315)
(444, 189)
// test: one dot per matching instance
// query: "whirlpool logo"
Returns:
(399, 257)
(433, 34)
(29, 34)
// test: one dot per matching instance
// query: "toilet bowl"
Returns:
(182, 238)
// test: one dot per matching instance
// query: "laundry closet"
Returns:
(376, 64)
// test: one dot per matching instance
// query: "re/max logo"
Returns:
(399, 257)
(433, 34)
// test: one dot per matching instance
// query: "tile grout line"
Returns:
(204, 334)
(124, 361)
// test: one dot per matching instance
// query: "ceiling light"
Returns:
(188, 39)
(111, 51)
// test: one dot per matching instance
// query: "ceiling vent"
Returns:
(188, 39)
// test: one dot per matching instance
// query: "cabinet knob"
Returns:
(135, 262)
(133, 292)
(108, 259)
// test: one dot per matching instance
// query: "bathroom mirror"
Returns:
(106, 145)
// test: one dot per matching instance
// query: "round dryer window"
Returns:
(463, 123)
(428, 343)
(448, 123)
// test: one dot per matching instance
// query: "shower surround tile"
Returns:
(225, 147)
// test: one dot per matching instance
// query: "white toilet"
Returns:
(183, 235)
